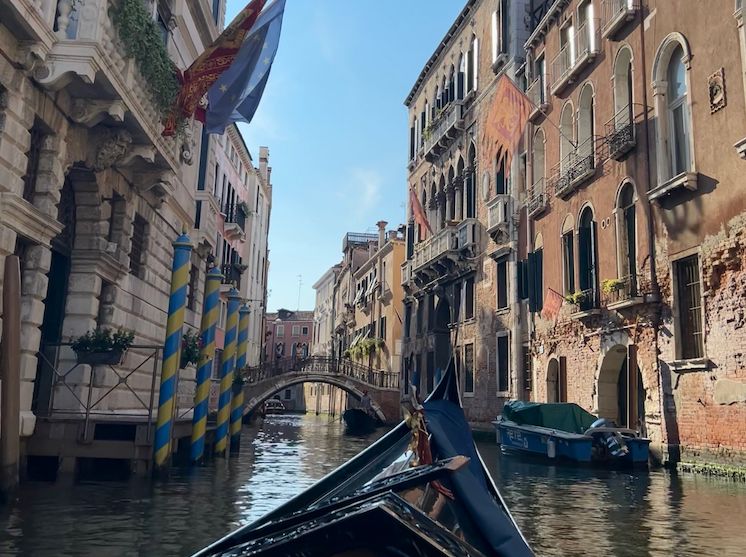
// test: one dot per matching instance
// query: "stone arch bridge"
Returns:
(383, 386)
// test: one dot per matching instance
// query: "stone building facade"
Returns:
(636, 219)
(460, 280)
(92, 196)
(288, 339)
(323, 313)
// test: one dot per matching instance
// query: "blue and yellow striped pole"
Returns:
(227, 363)
(172, 349)
(210, 310)
(237, 400)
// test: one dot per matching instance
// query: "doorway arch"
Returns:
(553, 390)
(442, 335)
(616, 400)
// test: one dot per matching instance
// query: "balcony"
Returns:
(537, 93)
(500, 218)
(575, 55)
(443, 128)
(406, 273)
(441, 253)
(577, 167)
(624, 292)
(89, 58)
(231, 275)
(683, 181)
(620, 133)
(235, 221)
(584, 304)
(537, 198)
(615, 14)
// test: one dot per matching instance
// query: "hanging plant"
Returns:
(143, 41)
(575, 298)
(102, 346)
(191, 344)
(609, 286)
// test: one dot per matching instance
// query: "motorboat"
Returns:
(565, 431)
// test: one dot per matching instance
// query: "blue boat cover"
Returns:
(451, 436)
(562, 416)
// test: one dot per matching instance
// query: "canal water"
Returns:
(562, 510)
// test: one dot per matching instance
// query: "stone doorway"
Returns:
(442, 334)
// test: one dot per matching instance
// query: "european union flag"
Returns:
(235, 96)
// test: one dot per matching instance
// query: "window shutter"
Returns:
(539, 279)
(460, 85)
(530, 270)
(411, 143)
(504, 18)
(584, 247)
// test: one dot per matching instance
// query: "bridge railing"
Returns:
(321, 365)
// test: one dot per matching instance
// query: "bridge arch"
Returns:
(257, 393)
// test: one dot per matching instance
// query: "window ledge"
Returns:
(499, 62)
(691, 365)
(586, 313)
(740, 147)
(623, 304)
(687, 180)
(468, 395)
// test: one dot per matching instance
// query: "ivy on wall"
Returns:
(143, 41)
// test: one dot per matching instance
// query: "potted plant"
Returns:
(576, 298)
(191, 344)
(609, 286)
(102, 346)
(238, 382)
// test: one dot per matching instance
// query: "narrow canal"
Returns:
(562, 510)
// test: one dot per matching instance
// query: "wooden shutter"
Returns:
(584, 257)
(562, 387)
(632, 379)
(530, 271)
(539, 279)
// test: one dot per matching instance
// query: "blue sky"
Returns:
(334, 121)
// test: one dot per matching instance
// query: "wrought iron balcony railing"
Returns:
(574, 169)
(615, 14)
(620, 133)
(624, 292)
(537, 198)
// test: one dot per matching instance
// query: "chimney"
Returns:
(263, 162)
(393, 235)
(381, 224)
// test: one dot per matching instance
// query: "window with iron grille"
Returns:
(32, 162)
(527, 368)
(137, 247)
(689, 297)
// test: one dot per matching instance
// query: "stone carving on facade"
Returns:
(187, 146)
(112, 147)
(716, 89)
(144, 152)
(159, 184)
(32, 56)
(89, 112)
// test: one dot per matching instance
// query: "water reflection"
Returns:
(562, 510)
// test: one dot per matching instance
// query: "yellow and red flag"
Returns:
(208, 67)
(506, 119)
(417, 211)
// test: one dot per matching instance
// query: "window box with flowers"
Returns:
(102, 346)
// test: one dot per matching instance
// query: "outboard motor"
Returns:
(611, 440)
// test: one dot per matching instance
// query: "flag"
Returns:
(505, 122)
(417, 211)
(235, 96)
(552, 304)
(206, 69)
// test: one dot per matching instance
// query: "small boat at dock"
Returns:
(565, 431)
(422, 489)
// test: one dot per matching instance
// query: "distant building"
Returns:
(323, 313)
(288, 339)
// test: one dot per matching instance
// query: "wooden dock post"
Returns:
(10, 359)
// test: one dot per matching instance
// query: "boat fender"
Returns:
(551, 448)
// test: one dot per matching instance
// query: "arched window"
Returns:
(432, 211)
(475, 56)
(470, 184)
(537, 158)
(423, 202)
(587, 259)
(566, 139)
(501, 176)
(444, 92)
(459, 197)
(426, 119)
(586, 124)
(623, 89)
(442, 202)
(436, 101)
(677, 113)
(568, 254)
(452, 85)
(672, 102)
(461, 77)
(627, 237)
(450, 196)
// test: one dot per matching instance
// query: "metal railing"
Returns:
(443, 241)
(231, 274)
(449, 117)
(588, 41)
(615, 12)
(86, 390)
(537, 198)
(323, 365)
(620, 132)
(582, 47)
(577, 166)
(537, 93)
(624, 289)
(588, 300)
(234, 214)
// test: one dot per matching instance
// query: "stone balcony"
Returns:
(445, 250)
(500, 218)
(89, 59)
(615, 14)
(406, 273)
(443, 128)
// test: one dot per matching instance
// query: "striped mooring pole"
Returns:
(227, 364)
(172, 350)
(210, 310)
(237, 400)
